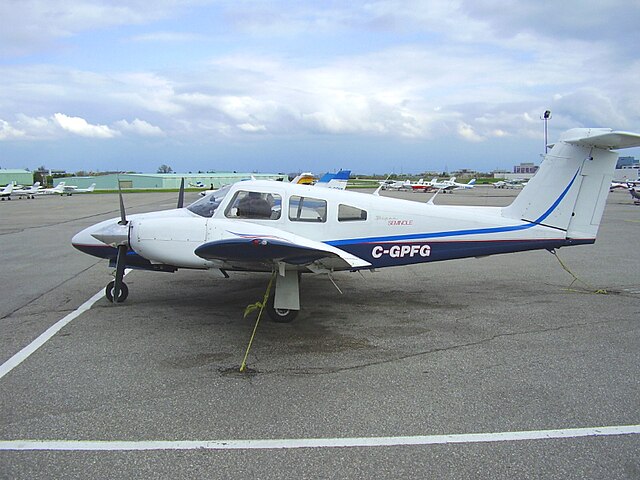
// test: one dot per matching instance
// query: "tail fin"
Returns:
(472, 181)
(335, 180)
(570, 189)
(91, 188)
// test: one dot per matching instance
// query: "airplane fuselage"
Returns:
(381, 231)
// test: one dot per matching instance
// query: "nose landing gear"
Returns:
(109, 292)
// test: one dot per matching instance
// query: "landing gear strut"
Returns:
(117, 291)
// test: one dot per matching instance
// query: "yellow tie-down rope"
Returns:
(252, 308)
(590, 288)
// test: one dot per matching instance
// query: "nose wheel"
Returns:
(117, 291)
(109, 292)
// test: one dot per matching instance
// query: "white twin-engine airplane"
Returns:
(266, 226)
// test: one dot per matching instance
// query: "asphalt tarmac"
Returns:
(498, 346)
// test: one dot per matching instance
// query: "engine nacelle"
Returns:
(170, 240)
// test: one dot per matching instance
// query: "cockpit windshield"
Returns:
(206, 206)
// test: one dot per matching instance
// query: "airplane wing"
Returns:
(250, 250)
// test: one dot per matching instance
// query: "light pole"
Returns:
(546, 117)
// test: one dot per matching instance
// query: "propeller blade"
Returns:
(123, 216)
(120, 265)
(181, 194)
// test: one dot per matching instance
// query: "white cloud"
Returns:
(480, 70)
(9, 132)
(79, 126)
(31, 25)
(467, 132)
(147, 91)
(139, 127)
(168, 37)
(248, 127)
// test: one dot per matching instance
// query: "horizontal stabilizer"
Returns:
(602, 138)
(569, 191)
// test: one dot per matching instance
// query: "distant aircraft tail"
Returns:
(91, 188)
(335, 180)
(570, 189)
(472, 181)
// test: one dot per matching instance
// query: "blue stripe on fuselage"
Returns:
(395, 255)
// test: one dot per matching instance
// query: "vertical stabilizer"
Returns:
(570, 189)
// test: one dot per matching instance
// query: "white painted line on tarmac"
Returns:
(23, 354)
(99, 445)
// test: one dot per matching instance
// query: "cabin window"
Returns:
(206, 206)
(307, 209)
(347, 213)
(254, 206)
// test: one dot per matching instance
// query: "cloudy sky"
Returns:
(375, 86)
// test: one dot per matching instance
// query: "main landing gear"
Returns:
(280, 315)
(283, 305)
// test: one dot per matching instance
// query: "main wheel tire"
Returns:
(124, 291)
(280, 315)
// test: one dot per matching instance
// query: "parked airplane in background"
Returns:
(306, 178)
(395, 185)
(197, 185)
(334, 180)
(288, 229)
(422, 186)
(509, 184)
(451, 184)
(329, 180)
(26, 192)
(71, 189)
(627, 184)
(57, 190)
(6, 192)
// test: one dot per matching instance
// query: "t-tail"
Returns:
(570, 189)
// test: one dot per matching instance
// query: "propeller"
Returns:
(123, 216)
(123, 248)
(180, 194)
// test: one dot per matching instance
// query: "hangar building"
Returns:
(18, 176)
(164, 180)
